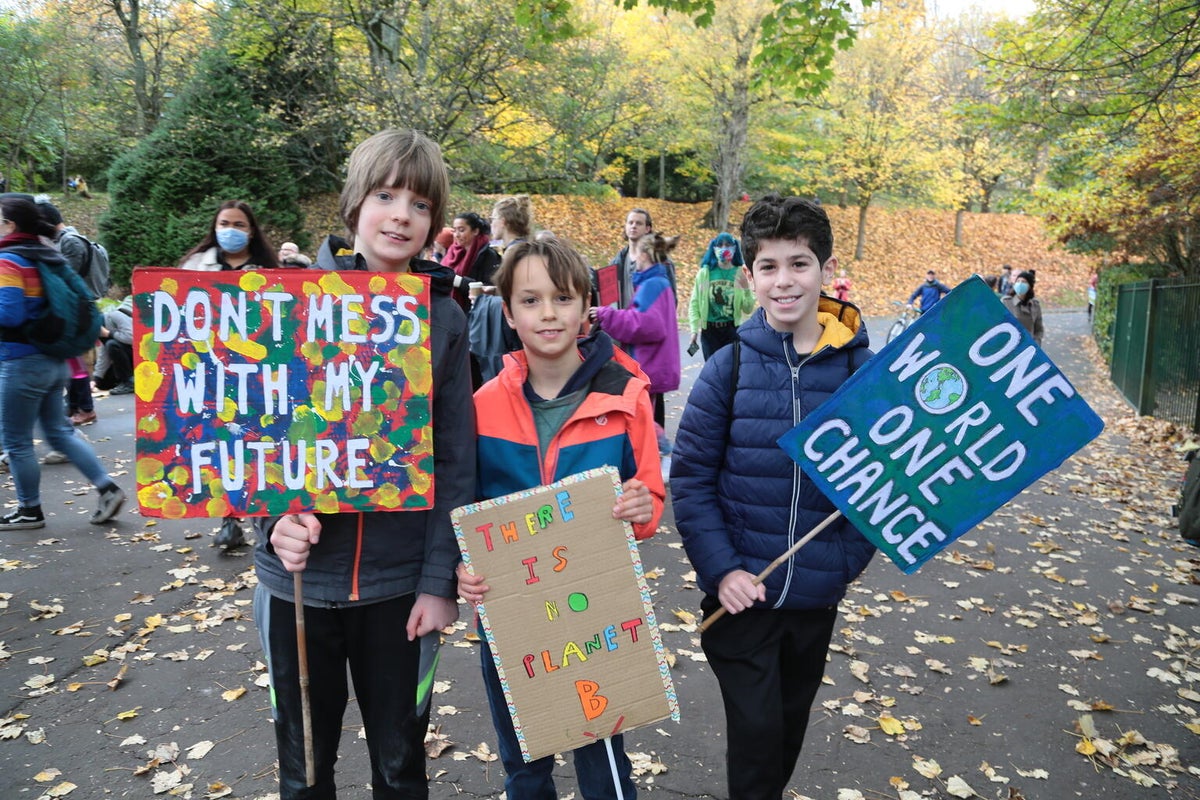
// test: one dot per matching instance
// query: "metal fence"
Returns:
(1156, 348)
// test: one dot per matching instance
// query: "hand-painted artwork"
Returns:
(279, 391)
(943, 426)
(568, 613)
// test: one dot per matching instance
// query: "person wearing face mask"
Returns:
(721, 297)
(234, 242)
(1024, 306)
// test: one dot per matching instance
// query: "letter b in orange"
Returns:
(593, 704)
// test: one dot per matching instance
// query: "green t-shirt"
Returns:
(721, 283)
(550, 415)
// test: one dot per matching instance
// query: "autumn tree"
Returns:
(1120, 79)
(213, 144)
(877, 116)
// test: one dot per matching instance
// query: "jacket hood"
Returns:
(598, 352)
(842, 322)
(31, 248)
(336, 253)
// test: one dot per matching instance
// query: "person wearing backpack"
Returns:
(90, 262)
(32, 380)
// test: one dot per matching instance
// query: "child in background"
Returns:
(560, 406)
(649, 325)
(721, 296)
(378, 587)
(842, 286)
(740, 501)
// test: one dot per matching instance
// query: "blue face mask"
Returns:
(232, 240)
(1021, 288)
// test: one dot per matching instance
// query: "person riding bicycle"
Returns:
(929, 292)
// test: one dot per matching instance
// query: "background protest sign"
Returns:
(278, 391)
(568, 613)
(942, 427)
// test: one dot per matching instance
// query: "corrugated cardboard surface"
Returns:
(568, 613)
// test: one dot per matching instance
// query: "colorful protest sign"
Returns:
(568, 613)
(942, 427)
(278, 391)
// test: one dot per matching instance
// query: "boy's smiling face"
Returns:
(546, 318)
(393, 224)
(786, 278)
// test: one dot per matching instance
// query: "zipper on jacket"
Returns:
(358, 548)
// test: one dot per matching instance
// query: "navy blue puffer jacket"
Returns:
(739, 500)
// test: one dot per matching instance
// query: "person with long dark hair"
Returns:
(31, 382)
(1024, 306)
(234, 241)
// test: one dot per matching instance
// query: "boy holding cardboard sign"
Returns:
(560, 405)
(740, 501)
(378, 587)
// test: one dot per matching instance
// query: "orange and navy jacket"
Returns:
(613, 426)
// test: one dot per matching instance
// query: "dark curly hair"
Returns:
(776, 217)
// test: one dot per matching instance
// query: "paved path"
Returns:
(1078, 595)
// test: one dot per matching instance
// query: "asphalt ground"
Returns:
(1050, 653)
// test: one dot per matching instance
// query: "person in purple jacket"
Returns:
(649, 328)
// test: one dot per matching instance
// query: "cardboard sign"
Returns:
(278, 391)
(942, 427)
(608, 285)
(568, 613)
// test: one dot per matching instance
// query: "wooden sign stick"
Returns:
(310, 763)
(762, 576)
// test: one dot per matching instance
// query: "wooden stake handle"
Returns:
(310, 763)
(762, 576)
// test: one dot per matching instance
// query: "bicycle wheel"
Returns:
(897, 328)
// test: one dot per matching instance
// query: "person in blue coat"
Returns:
(740, 502)
(929, 292)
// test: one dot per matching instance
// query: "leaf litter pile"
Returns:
(1053, 646)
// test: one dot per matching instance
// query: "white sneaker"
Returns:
(54, 457)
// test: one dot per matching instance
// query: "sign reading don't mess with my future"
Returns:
(942, 427)
(277, 391)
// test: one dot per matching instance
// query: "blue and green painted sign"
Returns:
(942, 427)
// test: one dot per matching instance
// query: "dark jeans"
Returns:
(714, 337)
(533, 781)
(120, 364)
(79, 395)
(385, 668)
(769, 664)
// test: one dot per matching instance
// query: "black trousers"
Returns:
(714, 337)
(385, 668)
(120, 364)
(769, 665)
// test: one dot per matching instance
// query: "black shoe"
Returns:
(111, 500)
(23, 519)
(124, 387)
(230, 534)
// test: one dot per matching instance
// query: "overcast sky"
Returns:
(952, 8)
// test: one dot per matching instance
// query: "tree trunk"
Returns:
(958, 227)
(131, 25)
(662, 175)
(733, 131)
(860, 245)
(641, 182)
